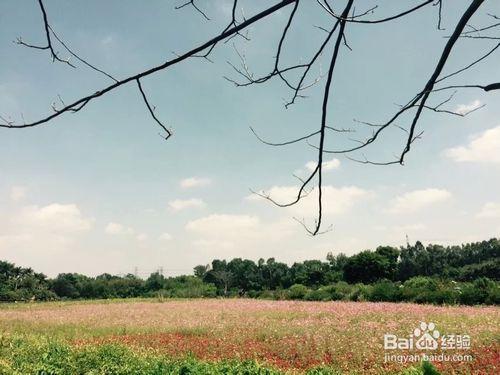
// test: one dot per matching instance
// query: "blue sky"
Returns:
(101, 191)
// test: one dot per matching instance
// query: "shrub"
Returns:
(482, 290)
(493, 297)
(446, 293)
(320, 294)
(360, 292)
(280, 294)
(185, 287)
(265, 294)
(428, 369)
(341, 291)
(297, 291)
(385, 290)
(419, 289)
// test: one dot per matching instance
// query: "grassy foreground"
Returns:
(231, 337)
(23, 356)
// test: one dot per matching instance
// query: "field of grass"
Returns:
(240, 336)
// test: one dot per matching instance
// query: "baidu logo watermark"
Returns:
(426, 337)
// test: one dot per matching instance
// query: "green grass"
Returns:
(30, 355)
(23, 355)
(71, 331)
(63, 303)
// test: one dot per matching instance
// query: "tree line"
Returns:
(468, 274)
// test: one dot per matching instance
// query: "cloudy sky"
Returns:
(100, 191)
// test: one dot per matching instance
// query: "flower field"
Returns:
(287, 336)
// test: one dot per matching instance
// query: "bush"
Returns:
(185, 287)
(429, 369)
(419, 289)
(481, 291)
(493, 297)
(430, 290)
(320, 294)
(281, 294)
(446, 294)
(265, 294)
(385, 290)
(360, 292)
(341, 291)
(297, 291)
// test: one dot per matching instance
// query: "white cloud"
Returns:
(224, 232)
(489, 210)
(483, 148)
(211, 244)
(466, 108)
(33, 235)
(192, 182)
(56, 217)
(9, 94)
(107, 40)
(165, 237)
(232, 235)
(17, 193)
(409, 228)
(117, 229)
(327, 165)
(335, 200)
(225, 8)
(398, 233)
(222, 224)
(402, 228)
(182, 204)
(418, 199)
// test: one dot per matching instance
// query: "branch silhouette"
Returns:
(299, 77)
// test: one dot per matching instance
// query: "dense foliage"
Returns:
(467, 274)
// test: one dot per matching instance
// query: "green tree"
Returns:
(201, 270)
(155, 282)
(366, 267)
(391, 255)
(68, 285)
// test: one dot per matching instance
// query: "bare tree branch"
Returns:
(391, 18)
(489, 87)
(151, 110)
(80, 58)
(437, 71)
(298, 78)
(193, 4)
(80, 103)
(470, 65)
(49, 46)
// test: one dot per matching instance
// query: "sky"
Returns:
(100, 191)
